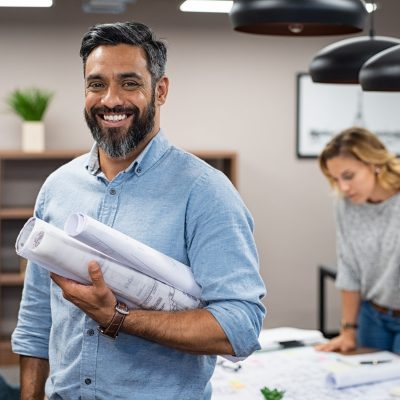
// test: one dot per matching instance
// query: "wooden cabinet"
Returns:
(21, 176)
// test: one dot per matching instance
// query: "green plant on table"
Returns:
(29, 104)
(272, 394)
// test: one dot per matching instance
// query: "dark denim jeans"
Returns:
(377, 329)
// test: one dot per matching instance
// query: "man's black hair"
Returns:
(133, 33)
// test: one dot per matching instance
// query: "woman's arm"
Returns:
(347, 340)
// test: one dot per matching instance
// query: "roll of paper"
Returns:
(131, 252)
(52, 249)
(364, 374)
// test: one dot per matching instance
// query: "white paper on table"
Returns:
(132, 253)
(354, 373)
(270, 339)
(300, 372)
(374, 357)
(57, 252)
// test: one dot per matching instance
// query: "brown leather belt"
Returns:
(386, 310)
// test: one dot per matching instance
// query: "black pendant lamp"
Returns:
(298, 17)
(341, 62)
(382, 72)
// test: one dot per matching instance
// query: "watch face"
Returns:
(122, 308)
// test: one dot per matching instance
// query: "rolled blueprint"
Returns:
(52, 249)
(364, 374)
(131, 252)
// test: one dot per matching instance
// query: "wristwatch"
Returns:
(112, 329)
(349, 325)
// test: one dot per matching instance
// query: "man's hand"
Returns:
(96, 300)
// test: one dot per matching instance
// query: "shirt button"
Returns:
(90, 332)
(88, 381)
(113, 192)
(139, 170)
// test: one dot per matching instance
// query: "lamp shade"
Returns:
(341, 62)
(382, 71)
(298, 17)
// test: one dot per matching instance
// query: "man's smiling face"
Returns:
(120, 101)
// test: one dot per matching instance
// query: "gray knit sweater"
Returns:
(368, 250)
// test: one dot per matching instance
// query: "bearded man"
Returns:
(78, 341)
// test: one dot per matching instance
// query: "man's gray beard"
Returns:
(116, 145)
(117, 148)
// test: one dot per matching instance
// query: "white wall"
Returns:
(228, 90)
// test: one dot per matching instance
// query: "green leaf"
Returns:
(29, 104)
(272, 394)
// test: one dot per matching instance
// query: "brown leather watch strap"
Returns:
(112, 329)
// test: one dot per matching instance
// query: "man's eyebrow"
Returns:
(93, 76)
(130, 75)
(123, 75)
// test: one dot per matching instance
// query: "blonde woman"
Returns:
(367, 177)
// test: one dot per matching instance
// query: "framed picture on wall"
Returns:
(324, 110)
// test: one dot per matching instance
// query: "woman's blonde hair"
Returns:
(364, 146)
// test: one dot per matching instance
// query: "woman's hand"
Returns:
(346, 341)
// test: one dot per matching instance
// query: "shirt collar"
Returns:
(93, 165)
(154, 150)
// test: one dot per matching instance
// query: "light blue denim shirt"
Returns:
(179, 205)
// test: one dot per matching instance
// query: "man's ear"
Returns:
(162, 90)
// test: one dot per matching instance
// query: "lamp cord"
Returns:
(371, 20)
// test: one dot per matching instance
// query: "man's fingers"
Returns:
(59, 280)
(96, 275)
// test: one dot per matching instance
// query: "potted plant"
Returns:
(31, 105)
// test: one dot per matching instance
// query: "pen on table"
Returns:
(234, 368)
(374, 362)
(229, 366)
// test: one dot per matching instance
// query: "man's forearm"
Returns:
(33, 375)
(194, 331)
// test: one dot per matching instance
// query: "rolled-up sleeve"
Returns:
(31, 336)
(224, 260)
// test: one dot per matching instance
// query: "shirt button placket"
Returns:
(89, 358)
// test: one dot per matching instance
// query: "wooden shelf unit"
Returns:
(21, 176)
(12, 279)
(12, 213)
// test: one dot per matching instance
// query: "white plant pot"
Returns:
(33, 136)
